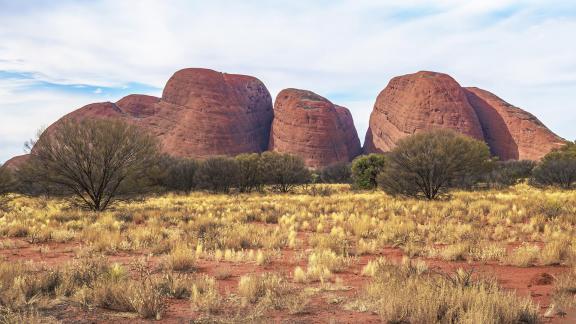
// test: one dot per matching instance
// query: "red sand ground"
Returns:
(520, 280)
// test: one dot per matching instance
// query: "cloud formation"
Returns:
(55, 55)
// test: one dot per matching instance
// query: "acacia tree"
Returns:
(284, 171)
(94, 162)
(428, 164)
(558, 168)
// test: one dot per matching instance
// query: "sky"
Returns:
(57, 56)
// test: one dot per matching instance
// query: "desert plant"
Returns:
(284, 171)
(250, 173)
(6, 184)
(93, 161)
(365, 170)
(427, 164)
(557, 168)
(179, 174)
(508, 173)
(340, 172)
(217, 174)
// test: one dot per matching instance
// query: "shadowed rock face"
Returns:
(417, 102)
(310, 126)
(511, 132)
(428, 100)
(201, 113)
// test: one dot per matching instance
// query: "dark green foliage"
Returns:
(250, 174)
(94, 162)
(179, 174)
(336, 173)
(509, 173)
(427, 164)
(6, 180)
(284, 171)
(6, 184)
(557, 168)
(365, 169)
(217, 174)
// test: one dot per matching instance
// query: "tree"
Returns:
(336, 173)
(94, 162)
(557, 168)
(284, 171)
(217, 174)
(179, 174)
(365, 169)
(428, 164)
(250, 174)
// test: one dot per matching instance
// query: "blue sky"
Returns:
(56, 56)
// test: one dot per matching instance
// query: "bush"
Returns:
(250, 174)
(336, 173)
(217, 174)
(558, 168)
(284, 171)
(365, 169)
(92, 161)
(6, 183)
(426, 165)
(509, 173)
(180, 174)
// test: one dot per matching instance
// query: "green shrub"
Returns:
(365, 169)
(428, 164)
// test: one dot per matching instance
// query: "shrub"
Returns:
(182, 258)
(250, 174)
(205, 296)
(94, 161)
(180, 174)
(557, 168)
(336, 173)
(509, 173)
(217, 174)
(284, 171)
(426, 165)
(365, 170)
(404, 294)
(6, 183)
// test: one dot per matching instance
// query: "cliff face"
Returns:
(310, 126)
(428, 100)
(204, 113)
(416, 102)
(512, 132)
(201, 113)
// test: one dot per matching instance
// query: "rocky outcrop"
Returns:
(511, 133)
(417, 102)
(16, 162)
(310, 126)
(201, 113)
(428, 100)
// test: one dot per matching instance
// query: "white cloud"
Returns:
(341, 49)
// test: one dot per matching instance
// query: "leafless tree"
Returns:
(94, 162)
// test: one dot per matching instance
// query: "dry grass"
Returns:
(183, 233)
(407, 293)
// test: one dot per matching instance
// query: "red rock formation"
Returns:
(16, 162)
(427, 100)
(511, 132)
(417, 102)
(201, 113)
(310, 126)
